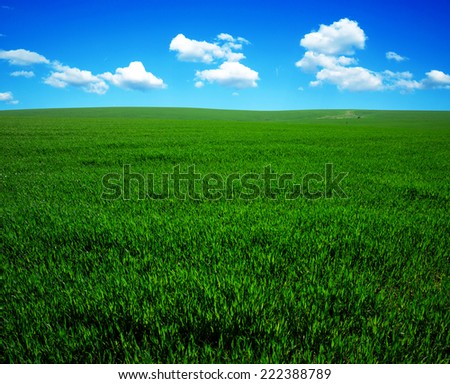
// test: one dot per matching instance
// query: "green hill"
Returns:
(298, 269)
(217, 114)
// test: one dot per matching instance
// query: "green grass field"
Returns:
(359, 280)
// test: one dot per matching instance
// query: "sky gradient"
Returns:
(265, 55)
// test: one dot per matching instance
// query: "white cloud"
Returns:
(235, 94)
(350, 78)
(26, 74)
(405, 83)
(205, 52)
(234, 56)
(231, 74)
(394, 56)
(312, 60)
(225, 36)
(406, 86)
(8, 97)
(193, 50)
(327, 56)
(23, 57)
(242, 40)
(402, 81)
(65, 75)
(340, 38)
(398, 75)
(134, 77)
(436, 79)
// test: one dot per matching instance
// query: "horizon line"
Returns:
(221, 109)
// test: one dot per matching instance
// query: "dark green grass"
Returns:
(358, 280)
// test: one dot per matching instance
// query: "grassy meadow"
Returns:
(365, 279)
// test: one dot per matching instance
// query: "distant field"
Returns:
(362, 279)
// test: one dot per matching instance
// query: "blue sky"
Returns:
(264, 55)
